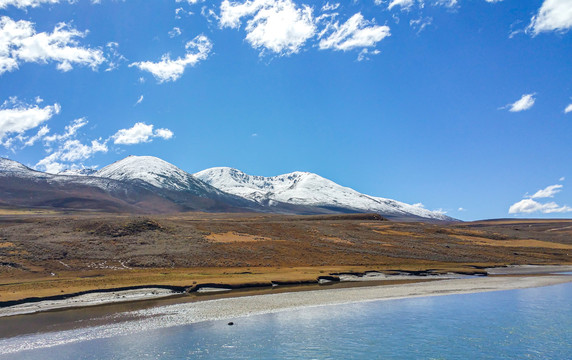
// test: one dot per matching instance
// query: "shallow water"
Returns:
(531, 323)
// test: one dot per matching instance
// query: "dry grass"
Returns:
(50, 254)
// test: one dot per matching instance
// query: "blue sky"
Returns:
(463, 106)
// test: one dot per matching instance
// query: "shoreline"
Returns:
(152, 292)
(235, 308)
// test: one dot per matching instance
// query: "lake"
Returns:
(533, 323)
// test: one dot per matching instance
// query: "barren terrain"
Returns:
(49, 254)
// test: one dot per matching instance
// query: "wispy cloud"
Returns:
(522, 104)
(547, 192)
(356, 32)
(19, 42)
(170, 70)
(175, 32)
(139, 101)
(65, 150)
(568, 109)
(403, 4)
(553, 15)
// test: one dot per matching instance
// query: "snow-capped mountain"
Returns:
(149, 184)
(173, 183)
(21, 186)
(307, 189)
(156, 172)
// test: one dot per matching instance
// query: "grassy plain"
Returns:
(47, 254)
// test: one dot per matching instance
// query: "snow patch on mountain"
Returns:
(304, 188)
(154, 171)
(78, 172)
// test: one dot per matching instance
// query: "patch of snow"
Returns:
(304, 188)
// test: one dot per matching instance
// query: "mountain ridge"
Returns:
(215, 189)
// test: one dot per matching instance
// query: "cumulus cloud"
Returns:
(356, 32)
(140, 133)
(528, 206)
(171, 70)
(522, 104)
(17, 117)
(568, 109)
(547, 192)
(19, 42)
(279, 26)
(553, 15)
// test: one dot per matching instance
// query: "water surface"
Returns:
(531, 323)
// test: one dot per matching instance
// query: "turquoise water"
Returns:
(517, 324)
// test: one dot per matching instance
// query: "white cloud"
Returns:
(171, 70)
(547, 192)
(190, 2)
(554, 15)
(140, 100)
(421, 23)
(461, 209)
(279, 26)
(365, 53)
(330, 7)
(528, 206)
(17, 117)
(44, 130)
(65, 150)
(403, 4)
(70, 131)
(175, 32)
(140, 133)
(522, 104)
(562, 178)
(356, 32)
(440, 211)
(68, 153)
(419, 205)
(568, 109)
(447, 3)
(19, 42)
(22, 4)
(113, 57)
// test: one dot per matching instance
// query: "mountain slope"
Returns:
(175, 184)
(307, 189)
(21, 186)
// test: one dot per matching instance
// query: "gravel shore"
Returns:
(236, 307)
